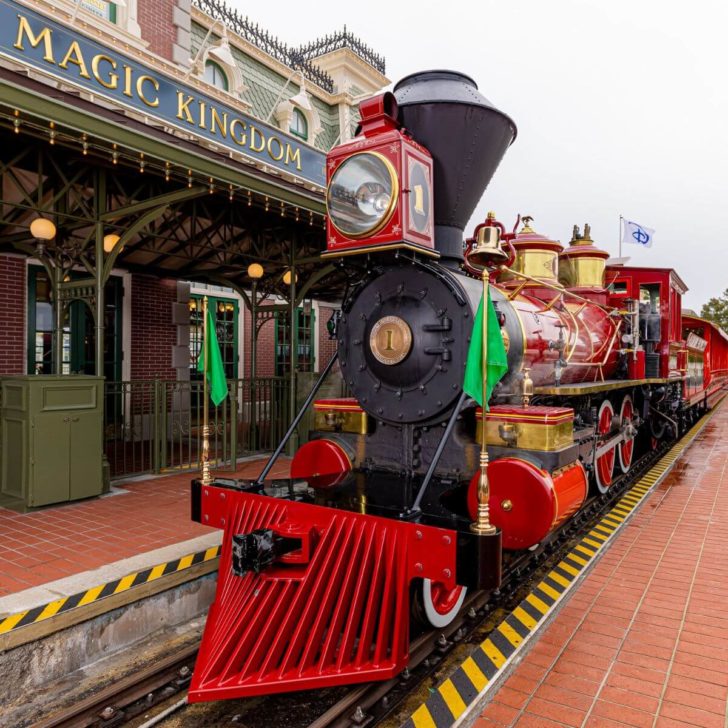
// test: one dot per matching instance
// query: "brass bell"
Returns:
(488, 250)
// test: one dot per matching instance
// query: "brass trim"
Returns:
(379, 248)
(544, 284)
(341, 421)
(393, 201)
(395, 351)
(605, 386)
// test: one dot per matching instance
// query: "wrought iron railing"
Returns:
(151, 426)
(262, 39)
(342, 39)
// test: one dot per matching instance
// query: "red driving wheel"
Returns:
(604, 465)
(626, 448)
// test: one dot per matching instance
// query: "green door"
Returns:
(51, 459)
(85, 437)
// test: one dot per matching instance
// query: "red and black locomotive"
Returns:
(321, 574)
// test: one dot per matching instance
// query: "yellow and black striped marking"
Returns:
(89, 596)
(453, 699)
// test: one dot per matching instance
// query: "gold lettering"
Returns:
(292, 156)
(140, 89)
(279, 156)
(389, 346)
(203, 121)
(253, 132)
(419, 200)
(127, 81)
(216, 121)
(183, 107)
(113, 80)
(243, 138)
(74, 55)
(24, 29)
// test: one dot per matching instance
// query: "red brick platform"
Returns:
(138, 517)
(643, 640)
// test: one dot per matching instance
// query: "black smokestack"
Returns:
(467, 137)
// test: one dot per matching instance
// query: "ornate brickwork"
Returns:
(153, 334)
(12, 314)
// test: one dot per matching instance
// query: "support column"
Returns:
(253, 366)
(56, 281)
(99, 272)
(293, 328)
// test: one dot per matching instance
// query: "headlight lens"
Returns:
(362, 194)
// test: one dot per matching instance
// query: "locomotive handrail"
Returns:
(576, 334)
(438, 452)
(296, 421)
(544, 284)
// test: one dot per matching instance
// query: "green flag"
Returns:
(497, 359)
(215, 370)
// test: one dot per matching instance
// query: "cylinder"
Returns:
(528, 503)
(323, 463)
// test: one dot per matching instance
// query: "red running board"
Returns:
(334, 612)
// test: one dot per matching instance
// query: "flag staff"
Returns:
(483, 525)
(487, 251)
(620, 236)
(206, 475)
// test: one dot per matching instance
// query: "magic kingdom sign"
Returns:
(57, 50)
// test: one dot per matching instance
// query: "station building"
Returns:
(151, 154)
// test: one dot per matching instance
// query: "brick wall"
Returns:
(266, 364)
(152, 332)
(156, 21)
(267, 343)
(12, 314)
(326, 346)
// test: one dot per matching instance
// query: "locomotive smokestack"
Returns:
(467, 137)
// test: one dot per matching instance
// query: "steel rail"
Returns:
(370, 703)
(100, 707)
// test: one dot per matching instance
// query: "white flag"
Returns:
(637, 234)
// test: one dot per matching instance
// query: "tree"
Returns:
(716, 310)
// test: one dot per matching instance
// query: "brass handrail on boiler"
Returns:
(565, 292)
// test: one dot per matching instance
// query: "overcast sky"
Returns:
(621, 108)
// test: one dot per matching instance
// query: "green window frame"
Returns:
(78, 329)
(215, 75)
(299, 125)
(226, 313)
(306, 343)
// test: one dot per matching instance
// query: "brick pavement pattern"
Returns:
(643, 640)
(49, 544)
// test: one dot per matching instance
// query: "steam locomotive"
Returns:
(321, 575)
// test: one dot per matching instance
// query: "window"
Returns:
(618, 288)
(299, 125)
(79, 332)
(225, 313)
(650, 298)
(306, 328)
(101, 9)
(215, 75)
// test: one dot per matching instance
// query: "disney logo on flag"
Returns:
(636, 234)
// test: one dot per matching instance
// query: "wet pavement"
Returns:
(643, 640)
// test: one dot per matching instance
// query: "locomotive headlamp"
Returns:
(362, 194)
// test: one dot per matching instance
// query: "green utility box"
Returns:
(52, 439)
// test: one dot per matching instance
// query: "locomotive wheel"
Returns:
(625, 451)
(604, 465)
(435, 606)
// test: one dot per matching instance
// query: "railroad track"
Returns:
(147, 697)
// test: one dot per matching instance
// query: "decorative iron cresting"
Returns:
(299, 58)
